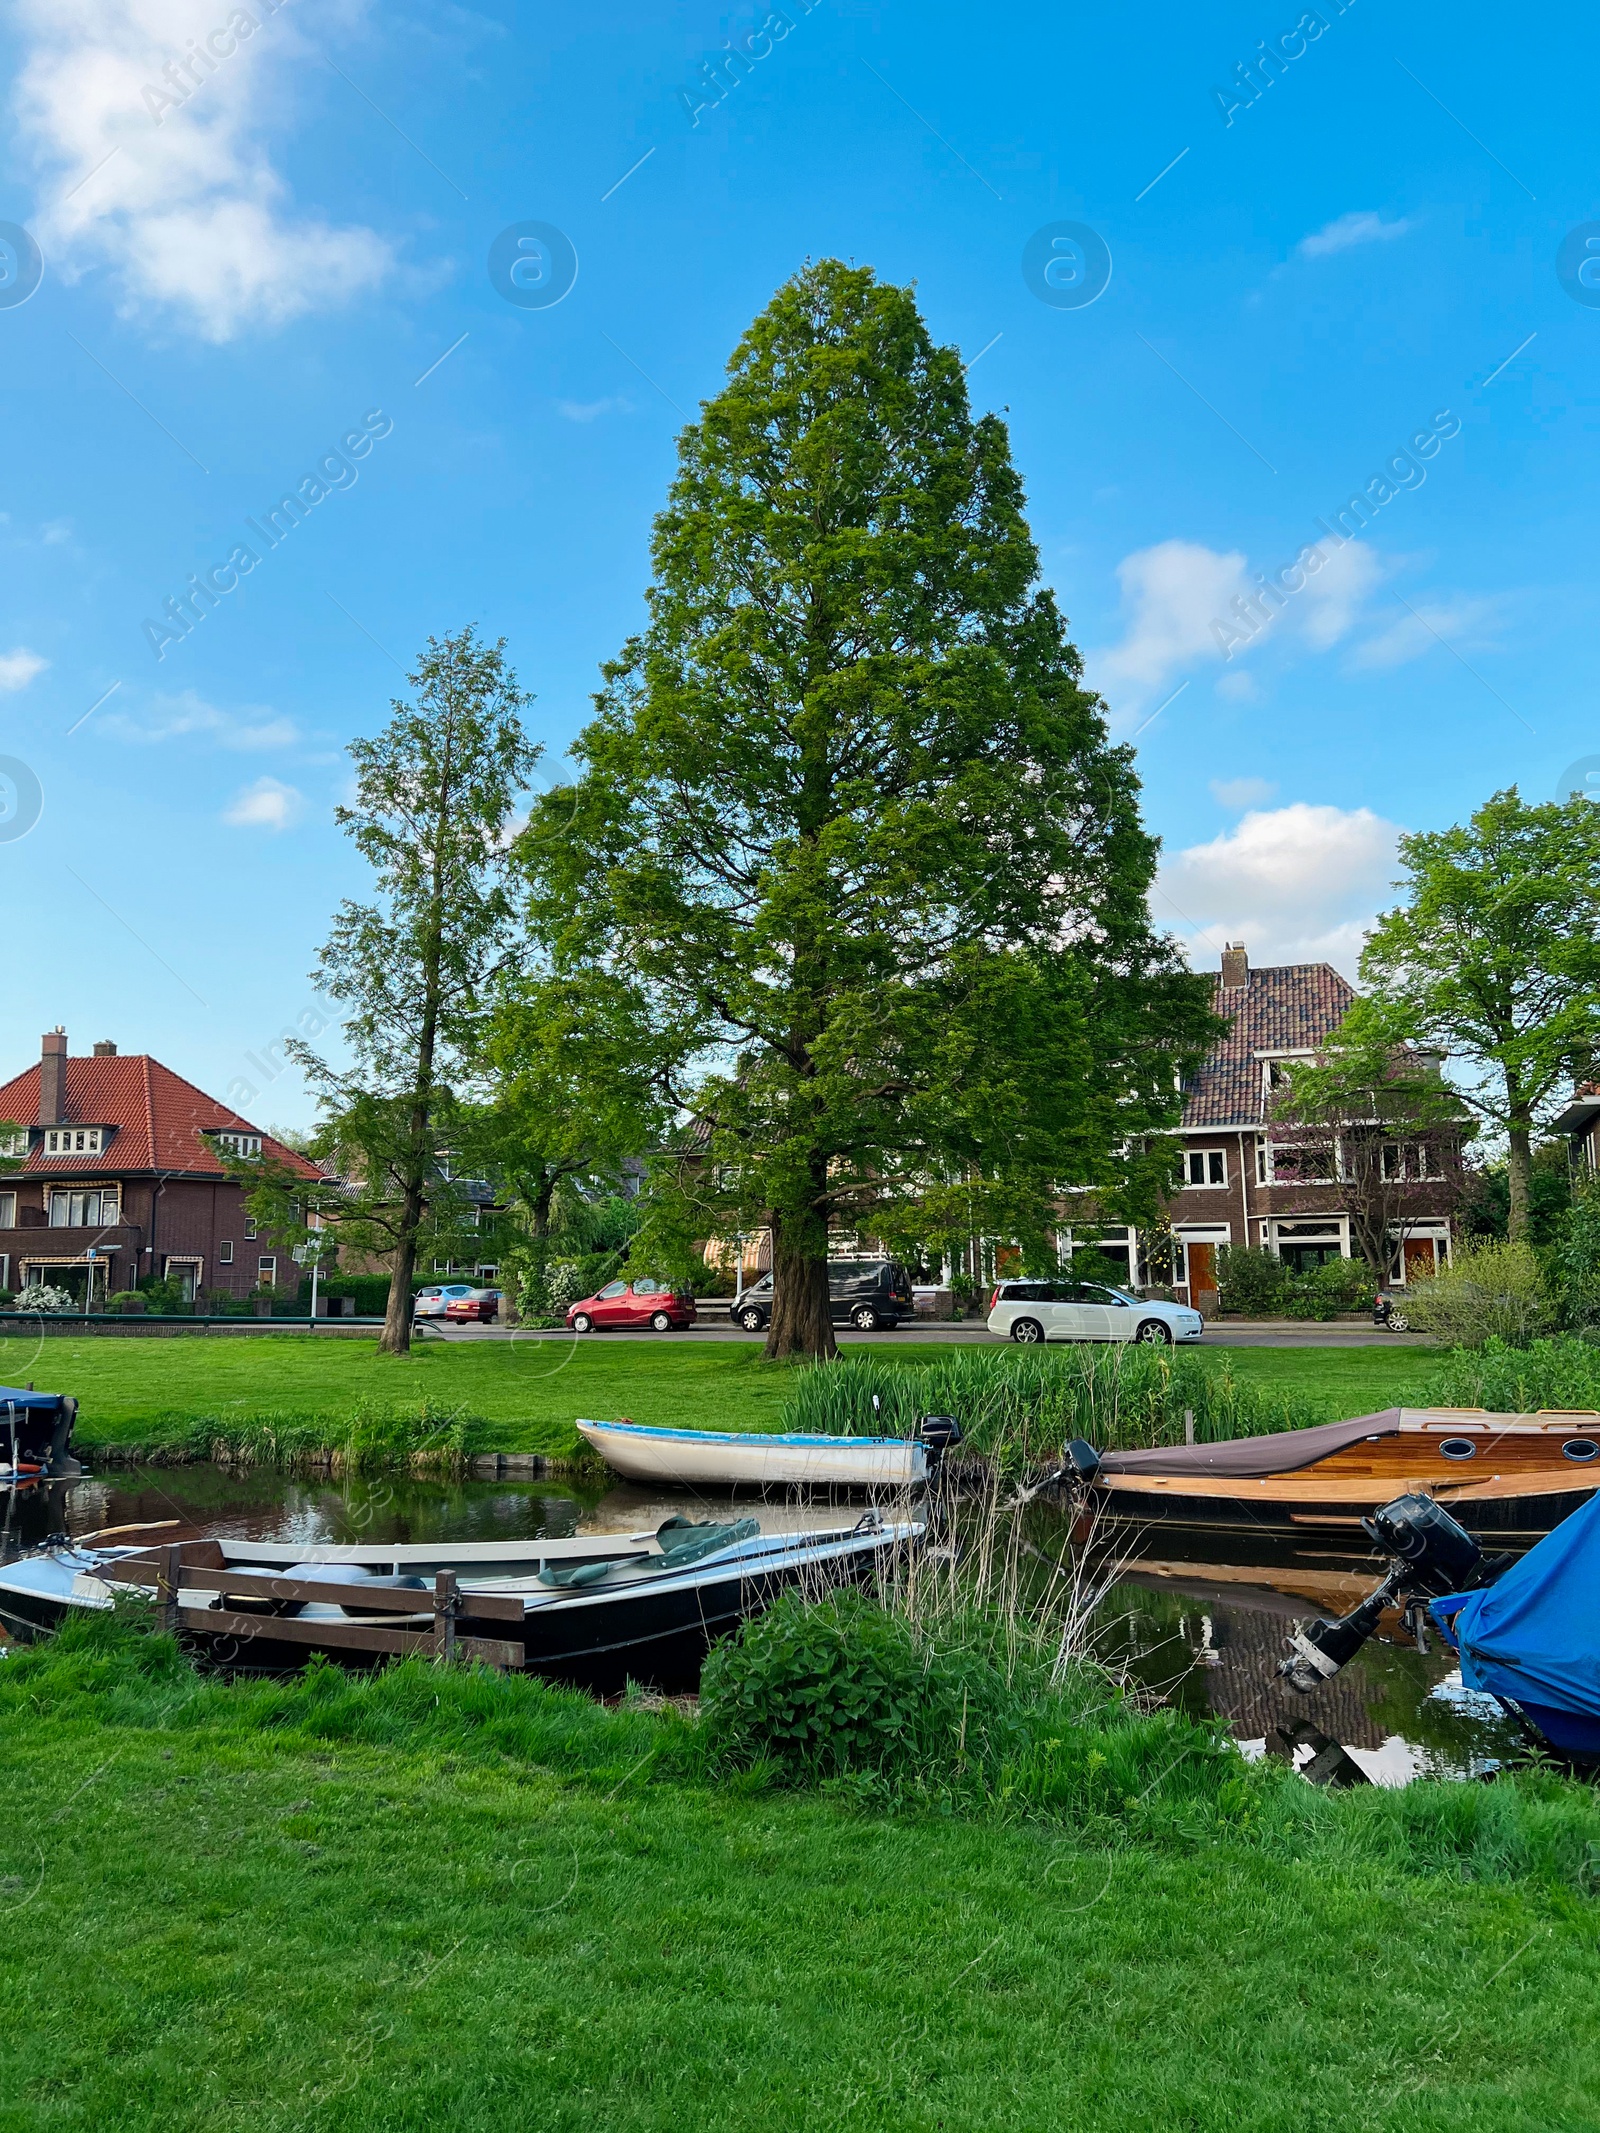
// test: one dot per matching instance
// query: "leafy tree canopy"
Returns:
(849, 818)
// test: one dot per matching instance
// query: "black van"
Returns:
(864, 1293)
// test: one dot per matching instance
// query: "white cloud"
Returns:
(176, 718)
(1172, 592)
(1413, 635)
(18, 668)
(1334, 595)
(268, 804)
(1186, 603)
(1348, 230)
(1242, 792)
(1296, 884)
(182, 202)
(1239, 687)
(587, 410)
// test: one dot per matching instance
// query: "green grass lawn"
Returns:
(146, 1391)
(247, 1922)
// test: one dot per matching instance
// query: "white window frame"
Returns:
(105, 1216)
(64, 1141)
(267, 1271)
(225, 1251)
(8, 1213)
(1208, 1159)
(244, 1145)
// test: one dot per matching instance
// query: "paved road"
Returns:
(1237, 1333)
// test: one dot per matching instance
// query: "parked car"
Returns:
(480, 1304)
(1087, 1311)
(632, 1303)
(864, 1293)
(435, 1300)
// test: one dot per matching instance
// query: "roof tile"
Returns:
(162, 1120)
(1288, 1007)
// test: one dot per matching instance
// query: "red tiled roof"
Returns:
(161, 1119)
(1292, 1007)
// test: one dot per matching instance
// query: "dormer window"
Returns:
(14, 1143)
(73, 1140)
(238, 1144)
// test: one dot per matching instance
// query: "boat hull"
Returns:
(729, 1459)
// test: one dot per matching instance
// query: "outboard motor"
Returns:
(940, 1434)
(1430, 1555)
(1079, 1462)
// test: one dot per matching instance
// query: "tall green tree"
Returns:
(1494, 959)
(848, 814)
(436, 791)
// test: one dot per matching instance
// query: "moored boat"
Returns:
(35, 1434)
(714, 1458)
(1302, 1495)
(596, 1612)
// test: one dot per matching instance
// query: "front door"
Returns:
(1203, 1290)
(1422, 1259)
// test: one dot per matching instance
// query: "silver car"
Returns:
(1059, 1310)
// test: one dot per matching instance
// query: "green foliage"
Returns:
(1563, 1371)
(1337, 1285)
(370, 1291)
(843, 1684)
(1485, 1209)
(1021, 1405)
(1252, 1281)
(1492, 1292)
(375, 1436)
(435, 794)
(843, 801)
(1573, 1266)
(1495, 958)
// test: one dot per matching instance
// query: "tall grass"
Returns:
(1021, 1405)
(372, 1438)
(1547, 1373)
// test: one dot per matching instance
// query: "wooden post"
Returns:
(446, 1606)
(169, 1572)
(1188, 1425)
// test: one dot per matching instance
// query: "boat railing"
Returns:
(180, 1568)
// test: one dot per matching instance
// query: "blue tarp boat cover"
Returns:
(1533, 1637)
(47, 1403)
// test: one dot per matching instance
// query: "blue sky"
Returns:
(296, 252)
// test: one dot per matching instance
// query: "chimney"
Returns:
(53, 1077)
(105, 1049)
(1235, 967)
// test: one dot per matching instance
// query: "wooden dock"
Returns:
(181, 1567)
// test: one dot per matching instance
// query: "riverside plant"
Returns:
(1507, 1379)
(1019, 1406)
(374, 1438)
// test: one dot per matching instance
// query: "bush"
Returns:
(1493, 1292)
(371, 1291)
(39, 1296)
(1255, 1283)
(844, 1685)
(1509, 1380)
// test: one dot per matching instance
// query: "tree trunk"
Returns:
(1519, 1137)
(395, 1338)
(802, 1323)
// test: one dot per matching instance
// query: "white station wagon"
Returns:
(1087, 1311)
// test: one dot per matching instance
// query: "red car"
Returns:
(632, 1303)
(481, 1304)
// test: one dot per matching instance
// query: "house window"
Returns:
(239, 1143)
(74, 1207)
(72, 1140)
(266, 1273)
(1207, 1166)
(15, 1143)
(225, 1252)
(249, 1229)
(8, 1210)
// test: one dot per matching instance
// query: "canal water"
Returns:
(1207, 1640)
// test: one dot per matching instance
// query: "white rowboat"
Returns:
(731, 1459)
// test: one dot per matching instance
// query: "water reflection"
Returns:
(1205, 1637)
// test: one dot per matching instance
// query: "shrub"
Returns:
(844, 1685)
(40, 1297)
(1493, 1292)
(1255, 1283)
(1510, 1380)
(371, 1291)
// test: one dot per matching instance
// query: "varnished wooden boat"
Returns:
(1299, 1496)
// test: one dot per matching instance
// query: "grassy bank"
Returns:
(523, 1395)
(432, 1899)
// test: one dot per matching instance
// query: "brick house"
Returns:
(1230, 1193)
(113, 1172)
